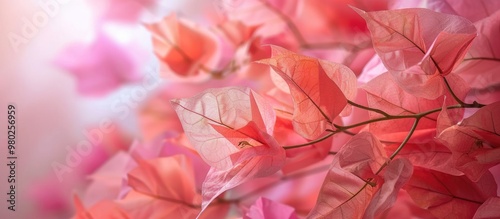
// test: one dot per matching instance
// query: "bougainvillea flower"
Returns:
(102, 66)
(274, 125)
(474, 10)
(481, 65)
(319, 89)
(236, 32)
(123, 10)
(489, 209)
(230, 128)
(449, 196)
(474, 142)
(266, 14)
(211, 121)
(269, 209)
(416, 50)
(102, 209)
(184, 49)
(152, 181)
(353, 189)
(385, 94)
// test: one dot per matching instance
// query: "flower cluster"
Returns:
(315, 109)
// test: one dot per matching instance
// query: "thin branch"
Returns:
(475, 104)
(482, 58)
(453, 93)
(416, 116)
(412, 130)
(369, 181)
(344, 129)
(368, 108)
(311, 142)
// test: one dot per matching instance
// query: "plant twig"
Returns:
(311, 142)
(368, 108)
(345, 129)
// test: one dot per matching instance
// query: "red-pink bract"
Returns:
(319, 89)
(416, 49)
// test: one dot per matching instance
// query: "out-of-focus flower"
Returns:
(101, 66)
(265, 208)
(123, 10)
(184, 49)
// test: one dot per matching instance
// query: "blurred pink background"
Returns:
(51, 115)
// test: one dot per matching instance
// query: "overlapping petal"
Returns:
(319, 89)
